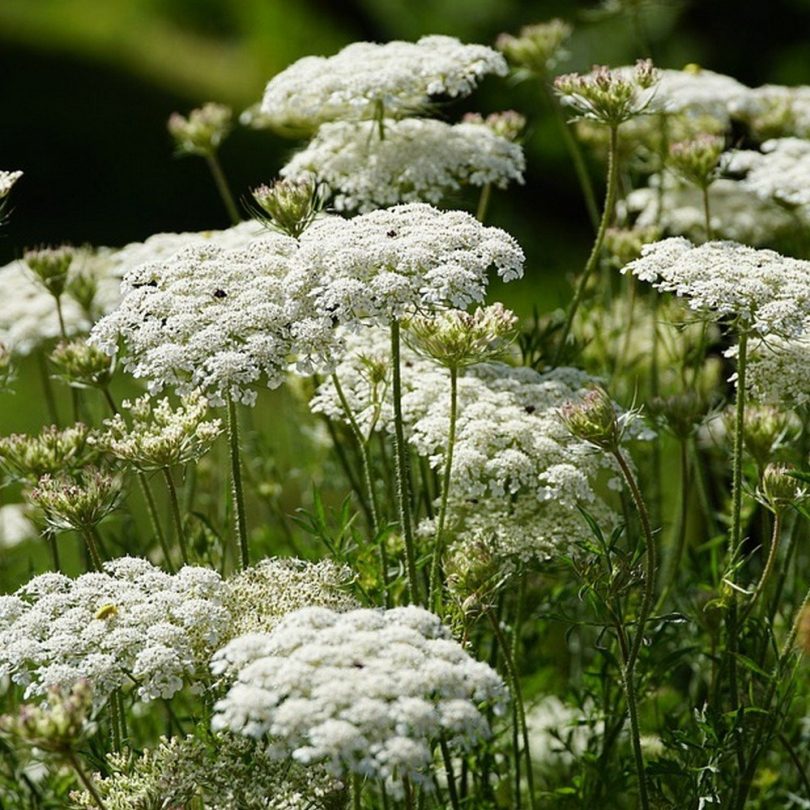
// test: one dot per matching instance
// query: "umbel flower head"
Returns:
(417, 159)
(366, 692)
(216, 319)
(50, 266)
(202, 132)
(456, 339)
(78, 502)
(759, 290)
(288, 204)
(537, 48)
(369, 81)
(7, 181)
(397, 262)
(130, 625)
(53, 451)
(697, 159)
(157, 436)
(609, 97)
(59, 723)
(778, 370)
(780, 488)
(594, 420)
(82, 365)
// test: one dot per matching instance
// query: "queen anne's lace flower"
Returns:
(780, 172)
(130, 623)
(760, 289)
(698, 92)
(774, 110)
(518, 475)
(418, 159)
(394, 262)
(367, 692)
(215, 319)
(366, 79)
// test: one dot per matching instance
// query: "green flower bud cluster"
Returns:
(77, 502)
(537, 48)
(28, 458)
(203, 131)
(288, 205)
(81, 364)
(697, 159)
(51, 266)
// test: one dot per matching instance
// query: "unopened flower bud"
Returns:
(779, 488)
(765, 430)
(508, 124)
(78, 503)
(537, 48)
(593, 419)
(696, 159)
(457, 339)
(81, 364)
(28, 458)
(288, 205)
(51, 267)
(202, 132)
(681, 414)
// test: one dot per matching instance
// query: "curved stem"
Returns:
(438, 548)
(635, 734)
(483, 202)
(403, 474)
(176, 516)
(517, 694)
(222, 187)
(649, 558)
(240, 523)
(84, 779)
(769, 566)
(157, 528)
(575, 153)
(596, 250)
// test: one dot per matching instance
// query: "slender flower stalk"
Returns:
(596, 250)
(176, 516)
(483, 202)
(85, 779)
(240, 523)
(435, 596)
(404, 499)
(223, 188)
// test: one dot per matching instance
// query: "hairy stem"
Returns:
(90, 539)
(240, 523)
(768, 569)
(596, 250)
(451, 777)
(403, 474)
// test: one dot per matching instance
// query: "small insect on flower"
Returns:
(107, 611)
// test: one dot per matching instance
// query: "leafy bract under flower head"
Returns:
(418, 159)
(367, 80)
(366, 692)
(761, 290)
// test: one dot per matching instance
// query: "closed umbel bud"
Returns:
(681, 414)
(288, 205)
(203, 131)
(779, 488)
(51, 267)
(81, 364)
(593, 419)
(537, 48)
(696, 160)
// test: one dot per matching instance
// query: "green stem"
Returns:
(47, 388)
(451, 777)
(635, 734)
(517, 694)
(403, 474)
(596, 250)
(50, 537)
(74, 394)
(768, 569)
(176, 516)
(438, 548)
(222, 187)
(157, 528)
(357, 788)
(236, 482)
(90, 538)
(112, 708)
(707, 217)
(683, 516)
(84, 779)
(483, 202)
(650, 560)
(575, 153)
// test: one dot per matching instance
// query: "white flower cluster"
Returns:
(214, 319)
(518, 475)
(559, 733)
(7, 181)
(131, 623)
(762, 290)
(697, 92)
(367, 692)
(778, 370)
(15, 527)
(417, 159)
(780, 172)
(775, 108)
(365, 80)
(220, 320)
(389, 263)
